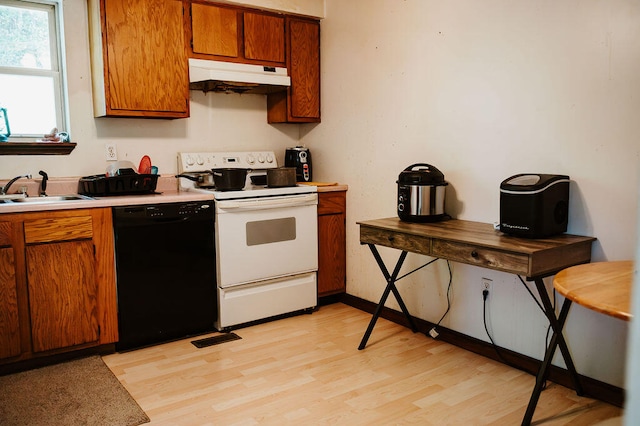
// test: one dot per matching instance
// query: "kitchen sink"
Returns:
(9, 197)
(47, 199)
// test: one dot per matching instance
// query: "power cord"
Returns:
(433, 332)
(448, 294)
(485, 295)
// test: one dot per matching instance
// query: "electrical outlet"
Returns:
(111, 154)
(486, 284)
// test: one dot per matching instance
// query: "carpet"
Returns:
(79, 392)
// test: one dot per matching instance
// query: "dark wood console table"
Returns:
(479, 244)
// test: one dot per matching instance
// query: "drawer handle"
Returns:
(474, 254)
(391, 238)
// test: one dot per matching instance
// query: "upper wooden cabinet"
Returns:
(264, 37)
(233, 34)
(301, 102)
(214, 31)
(140, 51)
(139, 58)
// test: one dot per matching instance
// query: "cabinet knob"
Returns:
(474, 254)
(391, 238)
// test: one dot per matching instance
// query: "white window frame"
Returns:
(58, 67)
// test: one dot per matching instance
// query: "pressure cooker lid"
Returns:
(421, 174)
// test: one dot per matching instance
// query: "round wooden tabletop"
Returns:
(601, 286)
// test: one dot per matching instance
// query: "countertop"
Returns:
(331, 188)
(326, 186)
(167, 192)
(124, 200)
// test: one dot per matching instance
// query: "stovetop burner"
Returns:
(257, 161)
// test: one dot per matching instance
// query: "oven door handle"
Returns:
(269, 203)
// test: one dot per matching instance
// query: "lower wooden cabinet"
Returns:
(62, 295)
(332, 252)
(57, 282)
(10, 342)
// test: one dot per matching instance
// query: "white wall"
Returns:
(632, 382)
(485, 90)
(481, 90)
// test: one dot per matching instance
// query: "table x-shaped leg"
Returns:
(556, 340)
(391, 287)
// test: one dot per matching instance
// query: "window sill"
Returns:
(36, 148)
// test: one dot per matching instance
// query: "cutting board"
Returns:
(319, 183)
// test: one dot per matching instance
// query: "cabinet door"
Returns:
(9, 320)
(304, 39)
(146, 71)
(62, 294)
(61, 279)
(264, 37)
(332, 252)
(300, 103)
(214, 30)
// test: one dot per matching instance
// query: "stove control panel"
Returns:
(201, 161)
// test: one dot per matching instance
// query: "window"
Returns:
(32, 83)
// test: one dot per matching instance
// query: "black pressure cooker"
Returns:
(421, 191)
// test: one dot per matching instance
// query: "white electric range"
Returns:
(266, 240)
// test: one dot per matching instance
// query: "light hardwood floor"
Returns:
(307, 370)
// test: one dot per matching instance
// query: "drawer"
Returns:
(5, 234)
(331, 203)
(410, 243)
(59, 229)
(481, 256)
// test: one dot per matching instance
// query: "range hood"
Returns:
(231, 77)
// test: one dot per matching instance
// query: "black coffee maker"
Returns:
(300, 158)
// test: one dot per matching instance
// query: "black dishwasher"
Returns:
(166, 272)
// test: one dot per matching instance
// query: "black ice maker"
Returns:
(534, 205)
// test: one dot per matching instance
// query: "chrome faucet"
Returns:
(4, 189)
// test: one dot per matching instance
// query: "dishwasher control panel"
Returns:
(169, 210)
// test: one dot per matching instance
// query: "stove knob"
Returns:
(269, 158)
(260, 158)
(189, 160)
(200, 160)
(251, 159)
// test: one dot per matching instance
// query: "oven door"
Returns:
(263, 238)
